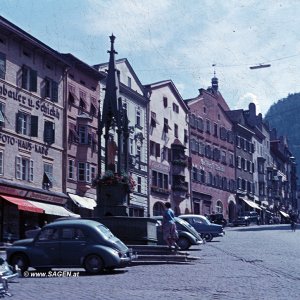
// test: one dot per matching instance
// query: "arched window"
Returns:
(219, 206)
(158, 209)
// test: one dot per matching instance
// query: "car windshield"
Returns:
(105, 231)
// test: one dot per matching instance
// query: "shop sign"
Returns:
(20, 97)
(20, 143)
(12, 191)
(43, 197)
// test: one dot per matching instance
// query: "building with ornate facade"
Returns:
(169, 162)
(135, 100)
(31, 132)
(212, 153)
(81, 142)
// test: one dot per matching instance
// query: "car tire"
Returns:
(183, 243)
(21, 261)
(93, 264)
(208, 237)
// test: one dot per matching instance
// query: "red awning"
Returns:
(23, 204)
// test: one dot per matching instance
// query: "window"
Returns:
(207, 126)
(193, 121)
(1, 162)
(49, 132)
(138, 117)
(129, 81)
(93, 172)
(176, 130)
(83, 134)
(175, 108)
(238, 162)
(26, 124)
(223, 156)
(153, 119)
(166, 125)
(29, 79)
(231, 159)
(165, 100)
(139, 184)
(48, 175)
(93, 111)
(82, 101)
(51, 89)
(216, 130)
(84, 172)
(160, 180)
(219, 207)
(24, 168)
(200, 125)
(2, 65)
(186, 138)
(72, 94)
(71, 169)
(131, 146)
(2, 114)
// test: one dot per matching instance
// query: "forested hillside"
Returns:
(284, 115)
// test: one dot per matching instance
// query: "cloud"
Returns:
(244, 100)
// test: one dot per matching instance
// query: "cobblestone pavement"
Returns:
(256, 262)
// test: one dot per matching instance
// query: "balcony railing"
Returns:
(180, 187)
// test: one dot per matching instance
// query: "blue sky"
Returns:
(179, 40)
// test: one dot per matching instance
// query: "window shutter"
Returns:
(33, 80)
(157, 150)
(18, 123)
(34, 126)
(49, 132)
(24, 77)
(18, 167)
(2, 65)
(31, 170)
(54, 91)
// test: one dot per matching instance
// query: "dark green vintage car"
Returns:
(71, 244)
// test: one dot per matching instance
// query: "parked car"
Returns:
(246, 219)
(204, 227)
(217, 219)
(187, 235)
(70, 244)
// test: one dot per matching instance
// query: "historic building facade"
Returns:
(80, 144)
(212, 153)
(169, 163)
(135, 100)
(31, 131)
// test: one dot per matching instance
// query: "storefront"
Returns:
(22, 209)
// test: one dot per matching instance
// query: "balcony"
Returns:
(159, 190)
(181, 187)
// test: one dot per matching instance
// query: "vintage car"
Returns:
(70, 244)
(204, 227)
(246, 219)
(187, 235)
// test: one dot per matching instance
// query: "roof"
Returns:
(12, 28)
(76, 62)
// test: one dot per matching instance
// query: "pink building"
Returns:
(212, 152)
(83, 92)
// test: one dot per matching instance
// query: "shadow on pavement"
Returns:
(286, 227)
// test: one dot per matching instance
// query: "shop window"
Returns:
(219, 207)
(29, 79)
(24, 168)
(49, 132)
(2, 65)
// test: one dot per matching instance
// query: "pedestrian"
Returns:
(170, 234)
(294, 218)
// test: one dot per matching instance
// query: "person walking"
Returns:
(170, 234)
(294, 218)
